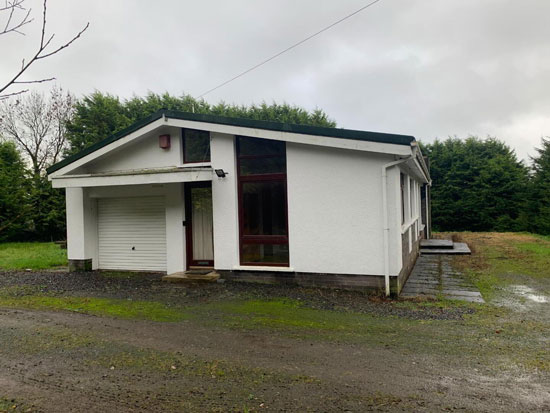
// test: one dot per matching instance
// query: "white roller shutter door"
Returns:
(132, 233)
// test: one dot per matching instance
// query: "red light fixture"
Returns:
(164, 141)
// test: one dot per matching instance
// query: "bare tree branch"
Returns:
(2, 97)
(12, 6)
(22, 82)
(65, 45)
(41, 53)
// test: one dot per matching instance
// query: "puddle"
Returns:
(522, 298)
(529, 293)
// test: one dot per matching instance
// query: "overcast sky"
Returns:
(429, 68)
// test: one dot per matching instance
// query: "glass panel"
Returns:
(202, 224)
(258, 166)
(196, 145)
(264, 208)
(256, 146)
(265, 253)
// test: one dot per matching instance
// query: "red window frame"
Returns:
(245, 239)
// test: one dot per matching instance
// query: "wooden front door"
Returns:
(199, 224)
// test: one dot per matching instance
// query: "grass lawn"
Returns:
(31, 255)
(502, 263)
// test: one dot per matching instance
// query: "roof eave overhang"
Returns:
(399, 145)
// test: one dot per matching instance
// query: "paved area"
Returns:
(434, 276)
(457, 248)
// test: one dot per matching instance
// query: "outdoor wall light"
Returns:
(220, 173)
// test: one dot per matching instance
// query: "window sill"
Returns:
(409, 224)
(195, 164)
(262, 268)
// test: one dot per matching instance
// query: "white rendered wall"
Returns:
(335, 210)
(225, 202)
(143, 152)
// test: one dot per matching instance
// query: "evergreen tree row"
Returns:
(478, 184)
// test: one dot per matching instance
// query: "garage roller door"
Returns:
(132, 233)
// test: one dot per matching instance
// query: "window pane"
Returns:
(196, 145)
(264, 208)
(265, 253)
(256, 146)
(258, 166)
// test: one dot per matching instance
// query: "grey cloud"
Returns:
(430, 68)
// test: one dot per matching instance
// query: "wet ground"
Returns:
(242, 348)
(59, 362)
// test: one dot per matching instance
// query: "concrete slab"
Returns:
(436, 243)
(459, 248)
(433, 276)
(191, 277)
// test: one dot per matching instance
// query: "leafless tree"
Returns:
(36, 124)
(13, 18)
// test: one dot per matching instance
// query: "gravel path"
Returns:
(150, 287)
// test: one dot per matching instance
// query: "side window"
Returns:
(196, 146)
(411, 198)
(402, 198)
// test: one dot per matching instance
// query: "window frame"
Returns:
(252, 178)
(184, 146)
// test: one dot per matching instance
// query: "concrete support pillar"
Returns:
(81, 230)
(225, 202)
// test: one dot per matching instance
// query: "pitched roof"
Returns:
(246, 123)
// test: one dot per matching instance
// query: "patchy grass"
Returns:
(31, 255)
(11, 405)
(504, 259)
(118, 308)
(491, 338)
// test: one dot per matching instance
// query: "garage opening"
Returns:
(132, 233)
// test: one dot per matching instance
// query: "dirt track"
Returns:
(66, 362)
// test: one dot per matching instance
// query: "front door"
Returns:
(199, 224)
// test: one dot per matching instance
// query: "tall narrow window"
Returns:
(402, 177)
(196, 146)
(262, 202)
(411, 198)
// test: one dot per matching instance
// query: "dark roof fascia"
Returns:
(98, 145)
(246, 123)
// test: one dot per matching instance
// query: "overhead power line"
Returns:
(289, 48)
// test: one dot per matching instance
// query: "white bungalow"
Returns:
(254, 200)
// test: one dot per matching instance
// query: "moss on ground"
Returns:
(484, 335)
(8, 405)
(110, 307)
(31, 255)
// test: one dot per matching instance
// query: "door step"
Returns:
(439, 244)
(192, 276)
